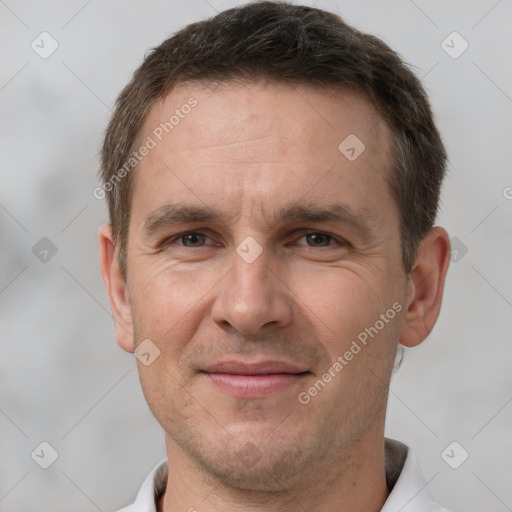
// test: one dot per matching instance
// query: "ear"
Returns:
(116, 289)
(426, 284)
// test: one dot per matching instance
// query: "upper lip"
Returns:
(261, 368)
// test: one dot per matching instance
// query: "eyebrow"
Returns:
(173, 214)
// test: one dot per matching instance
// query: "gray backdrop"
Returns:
(63, 379)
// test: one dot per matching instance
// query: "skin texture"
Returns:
(246, 150)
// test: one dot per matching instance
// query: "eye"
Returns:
(318, 239)
(194, 239)
(190, 239)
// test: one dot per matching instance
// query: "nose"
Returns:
(252, 297)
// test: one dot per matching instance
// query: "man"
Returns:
(272, 178)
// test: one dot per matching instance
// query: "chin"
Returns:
(268, 476)
(259, 464)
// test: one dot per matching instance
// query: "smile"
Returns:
(246, 380)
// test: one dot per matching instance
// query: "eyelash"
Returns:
(175, 238)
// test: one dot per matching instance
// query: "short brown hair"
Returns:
(290, 44)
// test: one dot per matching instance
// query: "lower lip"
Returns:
(254, 385)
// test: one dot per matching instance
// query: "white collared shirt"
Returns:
(409, 490)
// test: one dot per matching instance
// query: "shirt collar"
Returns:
(408, 487)
(409, 491)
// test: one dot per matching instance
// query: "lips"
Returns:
(261, 368)
(261, 379)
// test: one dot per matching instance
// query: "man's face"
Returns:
(254, 306)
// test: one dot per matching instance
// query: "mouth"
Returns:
(255, 380)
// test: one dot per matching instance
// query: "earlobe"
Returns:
(426, 287)
(116, 289)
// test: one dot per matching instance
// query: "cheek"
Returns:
(347, 314)
(341, 305)
(163, 393)
(167, 301)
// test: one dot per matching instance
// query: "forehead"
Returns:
(259, 142)
(322, 114)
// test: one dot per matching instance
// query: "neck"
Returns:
(353, 480)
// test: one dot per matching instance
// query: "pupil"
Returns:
(317, 237)
(193, 239)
